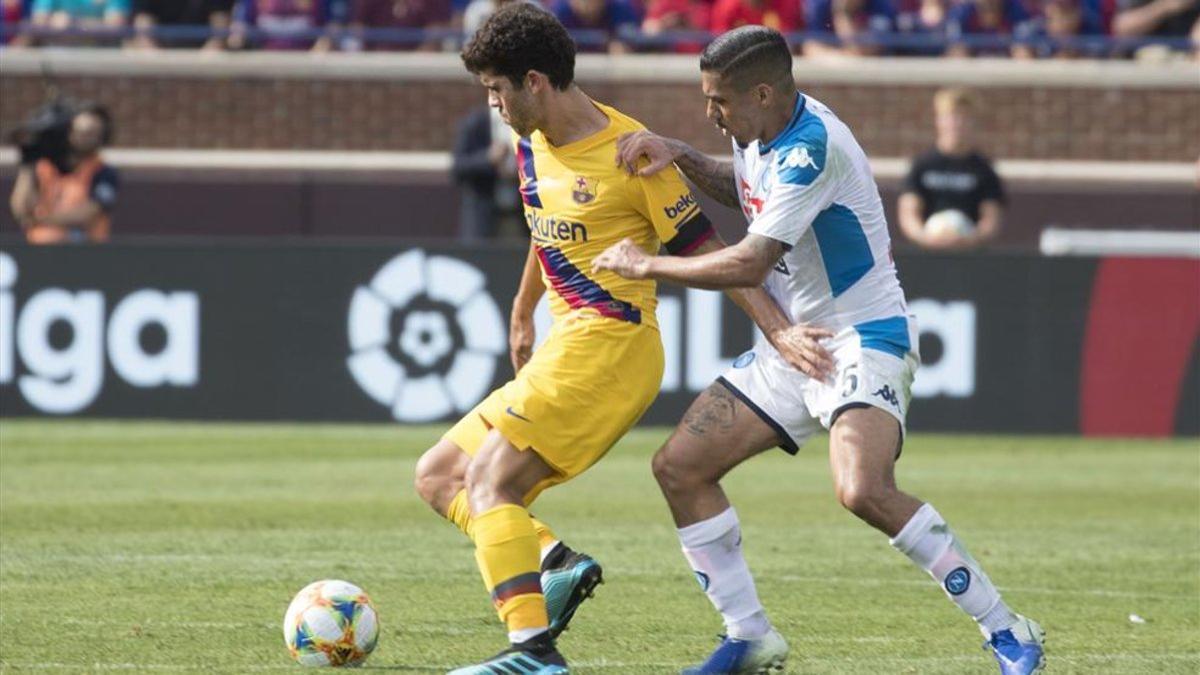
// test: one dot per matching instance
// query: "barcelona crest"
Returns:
(584, 190)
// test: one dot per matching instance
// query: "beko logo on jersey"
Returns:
(60, 336)
(551, 229)
(680, 207)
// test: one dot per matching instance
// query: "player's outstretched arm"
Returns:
(743, 265)
(711, 176)
(740, 271)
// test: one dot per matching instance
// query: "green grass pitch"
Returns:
(176, 547)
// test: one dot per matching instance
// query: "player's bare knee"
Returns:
(438, 476)
(427, 478)
(664, 470)
(673, 473)
(866, 499)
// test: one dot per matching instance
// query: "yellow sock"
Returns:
(459, 513)
(545, 536)
(506, 548)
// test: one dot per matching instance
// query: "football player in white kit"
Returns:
(819, 241)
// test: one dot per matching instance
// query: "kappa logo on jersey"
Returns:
(425, 336)
(584, 190)
(888, 395)
(799, 158)
(680, 207)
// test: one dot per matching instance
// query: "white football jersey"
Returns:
(811, 189)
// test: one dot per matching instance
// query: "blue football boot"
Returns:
(745, 657)
(534, 657)
(568, 578)
(1018, 648)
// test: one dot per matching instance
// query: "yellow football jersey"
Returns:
(578, 202)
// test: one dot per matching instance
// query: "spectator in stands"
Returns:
(923, 24)
(952, 197)
(1061, 26)
(78, 17)
(613, 18)
(1157, 18)
(478, 11)
(485, 169)
(678, 15)
(990, 28)
(398, 15)
(782, 15)
(853, 26)
(71, 203)
(12, 13)
(287, 24)
(150, 14)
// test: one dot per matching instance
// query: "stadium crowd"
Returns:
(1020, 28)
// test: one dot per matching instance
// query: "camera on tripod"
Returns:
(46, 134)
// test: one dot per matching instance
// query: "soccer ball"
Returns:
(949, 221)
(330, 623)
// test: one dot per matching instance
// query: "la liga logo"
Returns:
(425, 336)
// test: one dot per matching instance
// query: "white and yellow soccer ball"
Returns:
(330, 623)
(950, 221)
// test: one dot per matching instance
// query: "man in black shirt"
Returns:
(952, 197)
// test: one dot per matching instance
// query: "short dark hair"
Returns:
(748, 56)
(518, 38)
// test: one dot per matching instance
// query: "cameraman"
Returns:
(68, 199)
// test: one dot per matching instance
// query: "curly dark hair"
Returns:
(518, 38)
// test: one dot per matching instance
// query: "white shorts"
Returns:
(870, 370)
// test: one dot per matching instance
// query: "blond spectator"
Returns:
(952, 198)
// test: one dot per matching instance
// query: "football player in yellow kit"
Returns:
(601, 365)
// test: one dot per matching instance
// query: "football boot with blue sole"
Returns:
(1019, 649)
(745, 657)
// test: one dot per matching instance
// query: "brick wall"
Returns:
(890, 120)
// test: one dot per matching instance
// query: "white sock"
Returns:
(713, 547)
(929, 542)
(548, 548)
(518, 636)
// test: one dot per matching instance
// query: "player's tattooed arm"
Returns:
(799, 345)
(713, 177)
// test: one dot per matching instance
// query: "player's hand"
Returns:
(625, 258)
(800, 346)
(521, 334)
(632, 147)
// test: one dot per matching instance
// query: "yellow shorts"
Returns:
(584, 388)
